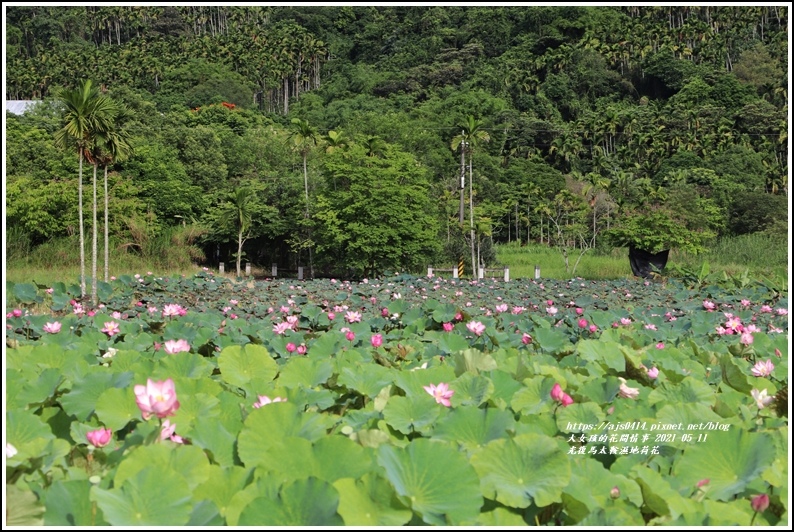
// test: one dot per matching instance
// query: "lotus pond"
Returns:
(396, 401)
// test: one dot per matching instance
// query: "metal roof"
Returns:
(18, 107)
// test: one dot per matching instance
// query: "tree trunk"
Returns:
(94, 243)
(239, 251)
(82, 229)
(475, 271)
(107, 253)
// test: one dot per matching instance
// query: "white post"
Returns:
(248, 268)
(300, 273)
(430, 271)
(537, 272)
(221, 267)
(507, 274)
(454, 273)
(482, 273)
(274, 270)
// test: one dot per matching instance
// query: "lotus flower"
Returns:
(627, 391)
(265, 400)
(440, 393)
(158, 398)
(376, 340)
(763, 368)
(99, 437)
(111, 328)
(52, 327)
(476, 327)
(173, 347)
(560, 396)
(167, 433)
(760, 502)
(762, 400)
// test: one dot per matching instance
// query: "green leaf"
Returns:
(438, 483)
(607, 353)
(689, 390)
(471, 389)
(186, 462)
(221, 486)
(528, 468)
(304, 502)
(83, 398)
(473, 427)
(534, 397)
(450, 343)
(150, 498)
(550, 341)
(241, 364)
(68, 504)
(578, 413)
(267, 426)
(411, 415)
(28, 434)
(659, 495)
(25, 292)
(304, 372)
(116, 407)
(370, 501)
(591, 484)
(731, 459)
(472, 361)
(212, 436)
(186, 364)
(329, 458)
(734, 375)
(366, 379)
(22, 507)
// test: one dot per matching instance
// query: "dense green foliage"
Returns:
(607, 125)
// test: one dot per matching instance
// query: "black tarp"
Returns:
(643, 262)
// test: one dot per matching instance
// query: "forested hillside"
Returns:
(339, 137)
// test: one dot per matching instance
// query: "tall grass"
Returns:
(762, 255)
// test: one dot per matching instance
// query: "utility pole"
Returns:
(462, 178)
(474, 267)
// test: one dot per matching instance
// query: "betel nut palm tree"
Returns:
(472, 133)
(87, 113)
(303, 137)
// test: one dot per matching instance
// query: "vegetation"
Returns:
(354, 129)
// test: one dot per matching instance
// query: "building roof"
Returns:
(18, 107)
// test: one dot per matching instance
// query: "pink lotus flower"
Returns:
(111, 328)
(99, 437)
(582, 323)
(167, 433)
(762, 400)
(526, 339)
(653, 373)
(447, 327)
(650, 326)
(745, 302)
(579, 311)
(352, 316)
(561, 397)
(158, 398)
(476, 327)
(91, 313)
(763, 368)
(703, 482)
(331, 316)
(458, 316)
(627, 391)
(709, 305)
(173, 347)
(517, 310)
(350, 335)
(78, 309)
(760, 502)
(501, 308)
(746, 338)
(781, 311)
(281, 328)
(233, 302)
(625, 321)
(440, 393)
(301, 349)
(265, 400)
(592, 328)
(17, 312)
(173, 309)
(291, 347)
(52, 327)
(765, 309)
(660, 345)
(376, 340)
(551, 310)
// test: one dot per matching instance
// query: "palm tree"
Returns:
(114, 148)
(239, 212)
(303, 137)
(86, 113)
(471, 134)
(335, 140)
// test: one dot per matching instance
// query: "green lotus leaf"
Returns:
(522, 470)
(187, 462)
(325, 346)
(149, 498)
(451, 342)
(730, 459)
(370, 501)
(534, 397)
(222, 485)
(413, 382)
(304, 502)
(266, 426)
(26, 293)
(194, 409)
(591, 485)
(411, 415)
(473, 427)
(689, 390)
(83, 398)
(601, 391)
(659, 496)
(472, 361)
(38, 390)
(329, 458)
(116, 407)
(205, 514)
(185, 364)
(607, 353)
(734, 375)
(367, 379)
(471, 389)
(435, 481)
(500, 517)
(241, 364)
(23, 507)
(551, 341)
(214, 438)
(304, 372)
(28, 434)
(68, 504)
(578, 414)
(617, 515)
